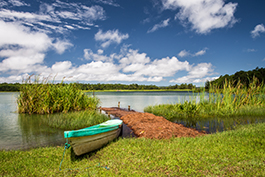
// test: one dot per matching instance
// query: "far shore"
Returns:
(152, 90)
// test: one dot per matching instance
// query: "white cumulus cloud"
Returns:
(90, 55)
(164, 67)
(196, 74)
(203, 15)
(61, 45)
(22, 49)
(133, 56)
(110, 37)
(59, 67)
(201, 52)
(257, 30)
(19, 61)
(185, 53)
(26, 37)
(128, 65)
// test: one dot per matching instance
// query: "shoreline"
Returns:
(155, 90)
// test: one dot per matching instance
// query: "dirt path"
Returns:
(150, 126)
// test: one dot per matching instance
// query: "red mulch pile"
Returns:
(150, 126)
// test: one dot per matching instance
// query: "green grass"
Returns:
(239, 152)
(48, 98)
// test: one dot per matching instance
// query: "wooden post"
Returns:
(109, 115)
(100, 109)
(129, 107)
(119, 104)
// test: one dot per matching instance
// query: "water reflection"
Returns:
(35, 133)
(218, 124)
(139, 100)
(22, 131)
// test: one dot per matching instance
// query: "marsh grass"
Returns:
(226, 102)
(48, 98)
(74, 120)
(238, 152)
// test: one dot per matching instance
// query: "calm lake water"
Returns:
(21, 131)
(139, 100)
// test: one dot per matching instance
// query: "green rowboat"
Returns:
(94, 137)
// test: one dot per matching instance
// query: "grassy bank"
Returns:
(239, 152)
(229, 101)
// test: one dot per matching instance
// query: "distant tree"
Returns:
(244, 77)
(207, 85)
(173, 87)
(190, 86)
(9, 87)
(183, 86)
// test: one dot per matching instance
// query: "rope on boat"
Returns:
(67, 145)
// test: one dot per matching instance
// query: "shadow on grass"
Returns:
(90, 155)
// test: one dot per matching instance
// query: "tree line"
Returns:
(99, 86)
(244, 77)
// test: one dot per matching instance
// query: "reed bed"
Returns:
(74, 120)
(226, 102)
(48, 98)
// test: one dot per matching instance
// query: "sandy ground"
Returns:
(150, 126)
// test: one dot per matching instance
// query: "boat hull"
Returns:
(82, 145)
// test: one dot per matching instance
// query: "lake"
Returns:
(22, 131)
(139, 100)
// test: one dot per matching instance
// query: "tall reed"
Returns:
(47, 98)
(74, 120)
(229, 101)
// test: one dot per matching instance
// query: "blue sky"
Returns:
(161, 42)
